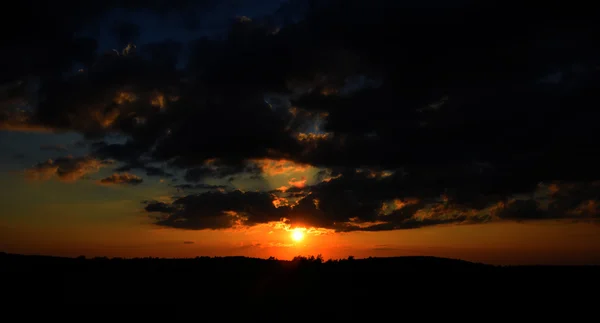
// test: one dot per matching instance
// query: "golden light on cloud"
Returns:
(280, 201)
(312, 137)
(158, 100)
(400, 203)
(272, 167)
(123, 97)
(298, 183)
(108, 118)
(297, 235)
(329, 91)
(130, 48)
(285, 226)
(283, 174)
(375, 174)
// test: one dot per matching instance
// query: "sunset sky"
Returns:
(218, 128)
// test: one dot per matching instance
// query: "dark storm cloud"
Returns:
(122, 179)
(201, 186)
(218, 169)
(58, 148)
(424, 115)
(575, 199)
(158, 207)
(217, 210)
(560, 200)
(344, 204)
(126, 33)
(522, 210)
(49, 45)
(149, 170)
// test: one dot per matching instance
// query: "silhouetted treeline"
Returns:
(307, 282)
(299, 264)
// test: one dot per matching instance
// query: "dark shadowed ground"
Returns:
(253, 287)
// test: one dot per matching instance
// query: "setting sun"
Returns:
(297, 235)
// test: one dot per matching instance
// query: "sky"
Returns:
(366, 129)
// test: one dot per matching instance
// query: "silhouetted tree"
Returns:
(319, 259)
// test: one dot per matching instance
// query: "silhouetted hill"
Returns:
(303, 282)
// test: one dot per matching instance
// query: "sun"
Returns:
(297, 235)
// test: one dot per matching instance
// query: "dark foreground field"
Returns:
(223, 286)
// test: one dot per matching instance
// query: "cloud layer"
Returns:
(122, 179)
(414, 115)
(68, 169)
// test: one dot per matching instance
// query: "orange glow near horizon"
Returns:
(496, 243)
(75, 223)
